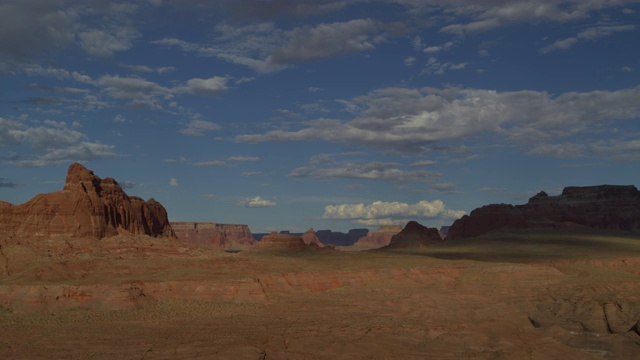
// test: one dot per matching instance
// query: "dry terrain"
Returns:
(542, 295)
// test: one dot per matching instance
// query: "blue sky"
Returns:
(288, 115)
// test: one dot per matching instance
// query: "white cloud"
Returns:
(207, 87)
(143, 93)
(590, 34)
(173, 182)
(490, 15)
(51, 144)
(325, 40)
(409, 61)
(423, 163)
(199, 127)
(415, 119)
(256, 202)
(119, 118)
(104, 43)
(369, 171)
(211, 163)
(265, 49)
(388, 213)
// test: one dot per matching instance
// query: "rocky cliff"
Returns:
(414, 235)
(224, 236)
(379, 238)
(607, 207)
(338, 238)
(86, 206)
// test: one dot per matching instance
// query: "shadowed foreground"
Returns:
(506, 296)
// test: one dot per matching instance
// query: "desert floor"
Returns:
(505, 296)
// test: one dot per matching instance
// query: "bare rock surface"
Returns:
(414, 235)
(223, 236)
(609, 207)
(86, 206)
(378, 238)
(143, 297)
(309, 237)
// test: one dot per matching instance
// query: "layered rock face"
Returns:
(414, 235)
(379, 238)
(607, 207)
(86, 206)
(225, 236)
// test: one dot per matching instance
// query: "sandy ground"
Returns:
(523, 296)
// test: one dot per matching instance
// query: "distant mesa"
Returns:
(278, 241)
(87, 206)
(605, 207)
(209, 234)
(414, 235)
(379, 238)
(338, 238)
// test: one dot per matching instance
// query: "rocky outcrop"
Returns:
(414, 235)
(86, 206)
(379, 238)
(606, 207)
(309, 237)
(224, 236)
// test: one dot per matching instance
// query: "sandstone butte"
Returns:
(605, 207)
(309, 237)
(87, 206)
(414, 235)
(225, 236)
(379, 238)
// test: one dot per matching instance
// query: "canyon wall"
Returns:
(224, 236)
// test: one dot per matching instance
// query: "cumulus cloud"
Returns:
(415, 119)
(51, 144)
(173, 182)
(143, 93)
(386, 213)
(256, 202)
(207, 87)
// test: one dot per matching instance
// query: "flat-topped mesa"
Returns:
(224, 236)
(379, 238)
(276, 241)
(414, 235)
(606, 207)
(86, 206)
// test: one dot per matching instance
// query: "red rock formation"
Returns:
(309, 237)
(275, 241)
(87, 206)
(225, 236)
(607, 207)
(379, 238)
(414, 235)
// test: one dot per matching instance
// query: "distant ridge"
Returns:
(606, 207)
